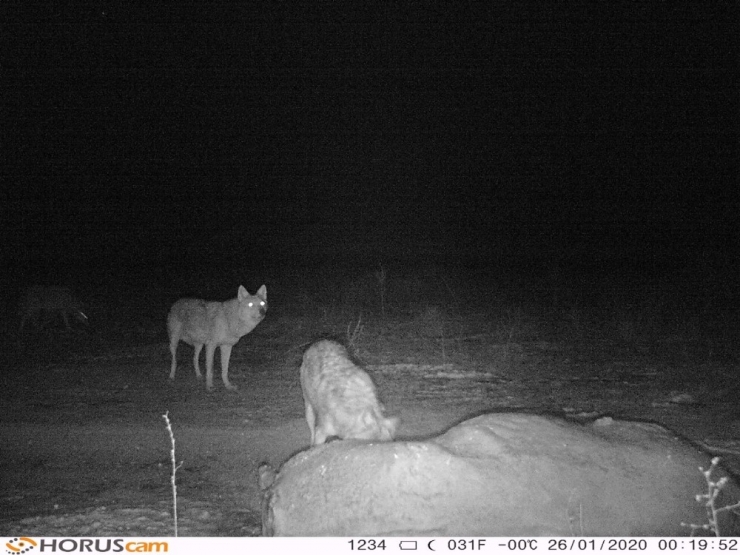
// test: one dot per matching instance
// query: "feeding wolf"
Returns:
(340, 397)
(43, 306)
(214, 324)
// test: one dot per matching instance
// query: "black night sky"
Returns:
(249, 138)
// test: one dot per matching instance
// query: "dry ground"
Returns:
(85, 451)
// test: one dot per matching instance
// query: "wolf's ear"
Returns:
(262, 292)
(242, 293)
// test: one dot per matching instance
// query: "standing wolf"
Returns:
(340, 397)
(214, 324)
(50, 305)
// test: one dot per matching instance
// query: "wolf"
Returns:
(340, 397)
(214, 324)
(47, 305)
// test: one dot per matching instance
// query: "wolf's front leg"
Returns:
(225, 356)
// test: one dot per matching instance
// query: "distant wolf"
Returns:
(49, 305)
(214, 324)
(340, 397)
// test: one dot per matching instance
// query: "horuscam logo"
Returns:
(16, 546)
(20, 545)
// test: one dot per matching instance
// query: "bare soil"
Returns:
(85, 450)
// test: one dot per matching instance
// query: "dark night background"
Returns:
(239, 140)
(527, 206)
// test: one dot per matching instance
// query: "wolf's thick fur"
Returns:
(499, 475)
(44, 304)
(214, 324)
(340, 397)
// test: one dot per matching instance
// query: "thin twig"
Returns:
(175, 466)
